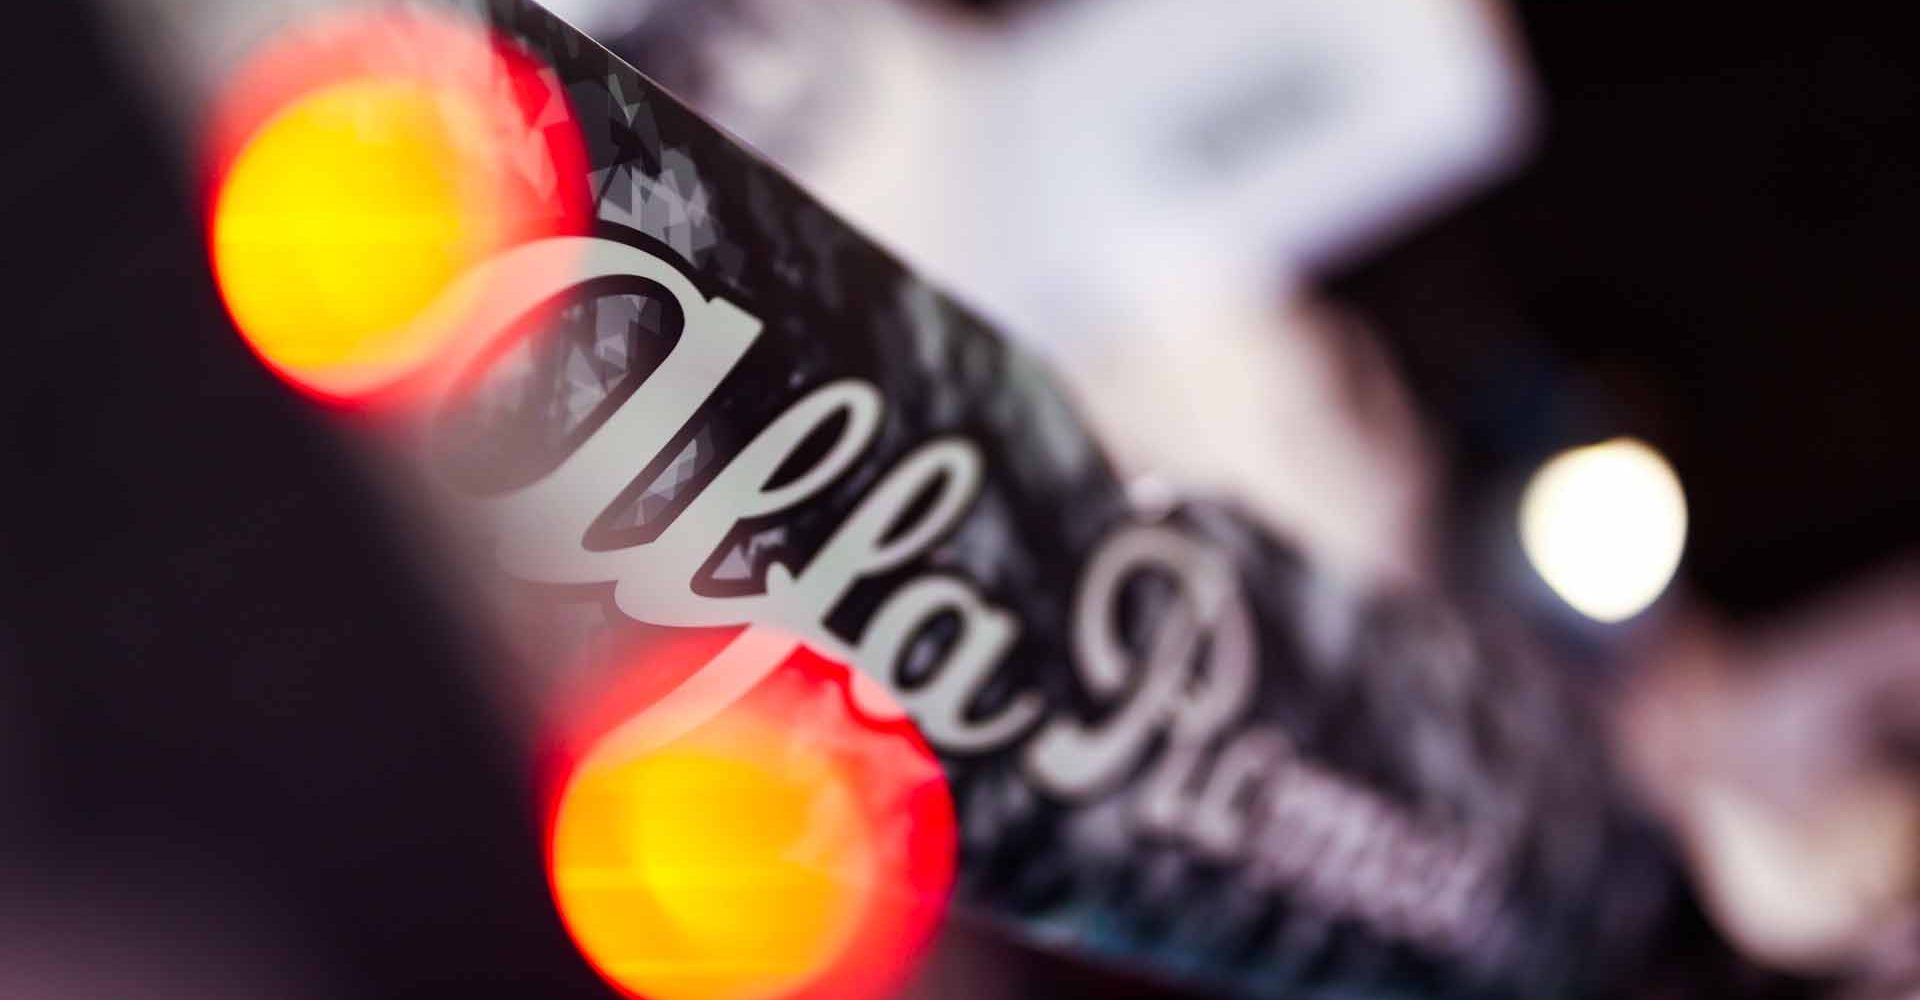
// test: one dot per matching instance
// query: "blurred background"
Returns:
(1596, 314)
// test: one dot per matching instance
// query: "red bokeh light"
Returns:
(800, 723)
(362, 161)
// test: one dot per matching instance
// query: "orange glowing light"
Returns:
(361, 165)
(786, 850)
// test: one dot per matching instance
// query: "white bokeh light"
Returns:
(1604, 525)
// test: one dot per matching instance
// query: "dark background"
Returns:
(1714, 250)
(237, 702)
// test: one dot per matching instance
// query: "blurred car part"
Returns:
(1784, 755)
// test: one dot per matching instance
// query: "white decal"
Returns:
(1253, 800)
